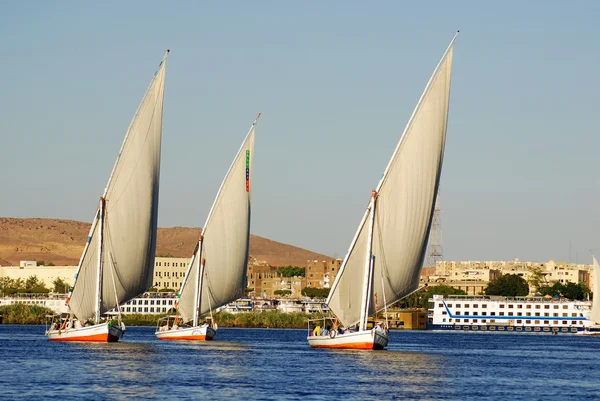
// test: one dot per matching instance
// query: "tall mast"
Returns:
(99, 276)
(199, 274)
(368, 276)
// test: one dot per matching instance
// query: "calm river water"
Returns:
(270, 364)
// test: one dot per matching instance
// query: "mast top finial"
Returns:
(168, 51)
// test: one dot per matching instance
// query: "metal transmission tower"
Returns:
(436, 249)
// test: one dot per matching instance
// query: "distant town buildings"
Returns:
(264, 280)
(474, 276)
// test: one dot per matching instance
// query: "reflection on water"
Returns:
(279, 365)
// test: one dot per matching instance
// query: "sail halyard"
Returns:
(139, 161)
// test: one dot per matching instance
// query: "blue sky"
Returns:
(336, 83)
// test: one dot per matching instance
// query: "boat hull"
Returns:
(187, 334)
(102, 333)
(364, 340)
(507, 328)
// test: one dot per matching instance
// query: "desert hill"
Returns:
(61, 242)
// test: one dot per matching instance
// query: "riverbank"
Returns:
(270, 319)
(24, 314)
(34, 314)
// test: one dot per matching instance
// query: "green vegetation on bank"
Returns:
(315, 292)
(24, 314)
(508, 285)
(269, 319)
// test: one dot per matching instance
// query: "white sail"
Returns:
(130, 215)
(404, 206)
(346, 294)
(595, 316)
(225, 241)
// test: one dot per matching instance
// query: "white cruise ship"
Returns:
(494, 313)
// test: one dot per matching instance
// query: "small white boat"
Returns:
(118, 259)
(216, 274)
(167, 331)
(385, 257)
(106, 332)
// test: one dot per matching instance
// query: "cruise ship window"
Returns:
(484, 306)
(458, 305)
(527, 321)
(484, 313)
(537, 313)
(474, 320)
(519, 321)
(564, 322)
(449, 305)
(565, 307)
(519, 306)
(510, 313)
(444, 313)
(537, 322)
(546, 306)
(528, 306)
(510, 306)
(519, 314)
(528, 313)
(555, 314)
(501, 306)
(483, 320)
(537, 307)
(574, 314)
(556, 322)
(501, 314)
(546, 314)
(493, 314)
(439, 305)
(565, 314)
(475, 305)
(555, 306)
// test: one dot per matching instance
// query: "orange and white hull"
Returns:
(370, 339)
(102, 333)
(204, 333)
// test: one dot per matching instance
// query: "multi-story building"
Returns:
(169, 273)
(322, 273)
(474, 276)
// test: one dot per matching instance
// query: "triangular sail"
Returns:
(130, 214)
(595, 316)
(404, 205)
(225, 243)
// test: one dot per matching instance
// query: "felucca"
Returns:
(385, 257)
(118, 258)
(216, 274)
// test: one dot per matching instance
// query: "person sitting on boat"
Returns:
(325, 331)
(340, 330)
(379, 328)
(317, 331)
(175, 326)
(77, 324)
